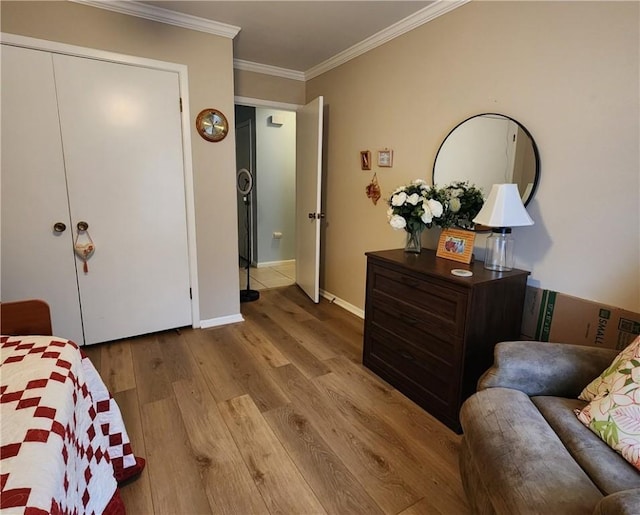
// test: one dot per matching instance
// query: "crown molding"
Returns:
(266, 69)
(432, 11)
(187, 21)
(149, 12)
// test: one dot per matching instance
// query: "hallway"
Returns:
(268, 277)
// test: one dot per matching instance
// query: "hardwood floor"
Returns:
(275, 415)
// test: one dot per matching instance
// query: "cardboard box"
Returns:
(550, 316)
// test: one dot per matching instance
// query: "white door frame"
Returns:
(269, 104)
(182, 71)
(258, 102)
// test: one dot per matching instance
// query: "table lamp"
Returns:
(502, 210)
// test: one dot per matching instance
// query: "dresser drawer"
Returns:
(440, 310)
(414, 366)
(415, 326)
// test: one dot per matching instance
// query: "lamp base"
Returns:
(497, 268)
(499, 254)
(249, 295)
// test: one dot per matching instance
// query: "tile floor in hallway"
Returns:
(269, 277)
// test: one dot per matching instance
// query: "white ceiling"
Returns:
(297, 35)
(298, 39)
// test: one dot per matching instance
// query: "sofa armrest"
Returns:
(542, 368)
(626, 502)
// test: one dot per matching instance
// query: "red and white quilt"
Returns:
(63, 445)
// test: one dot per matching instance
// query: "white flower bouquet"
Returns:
(414, 207)
(417, 206)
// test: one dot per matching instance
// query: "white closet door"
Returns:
(123, 155)
(36, 261)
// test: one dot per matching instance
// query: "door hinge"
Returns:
(190, 293)
(180, 104)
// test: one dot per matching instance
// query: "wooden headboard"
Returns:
(25, 317)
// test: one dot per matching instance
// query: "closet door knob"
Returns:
(59, 227)
(82, 226)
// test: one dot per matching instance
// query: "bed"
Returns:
(64, 447)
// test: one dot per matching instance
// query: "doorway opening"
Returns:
(266, 146)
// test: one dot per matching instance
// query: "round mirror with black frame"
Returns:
(489, 149)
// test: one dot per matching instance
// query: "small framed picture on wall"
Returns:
(365, 160)
(385, 158)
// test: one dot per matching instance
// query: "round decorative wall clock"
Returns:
(212, 125)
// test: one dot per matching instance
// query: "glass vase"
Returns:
(414, 241)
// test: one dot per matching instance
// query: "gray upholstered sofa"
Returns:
(523, 449)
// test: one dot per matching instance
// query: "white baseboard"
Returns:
(214, 322)
(343, 304)
(265, 264)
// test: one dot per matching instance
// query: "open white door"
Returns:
(308, 197)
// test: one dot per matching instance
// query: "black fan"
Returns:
(245, 184)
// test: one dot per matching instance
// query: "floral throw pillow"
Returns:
(602, 384)
(614, 413)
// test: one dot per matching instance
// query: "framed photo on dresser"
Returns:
(456, 244)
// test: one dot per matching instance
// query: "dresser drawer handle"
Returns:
(409, 281)
(409, 320)
(406, 355)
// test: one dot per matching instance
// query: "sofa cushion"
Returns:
(543, 368)
(606, 468)
(602, 384)
(615, 416)
(523, 465)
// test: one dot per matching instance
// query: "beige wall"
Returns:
(210, 62)
(568, 71)
(268, 87)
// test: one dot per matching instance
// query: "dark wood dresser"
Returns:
(430, 333)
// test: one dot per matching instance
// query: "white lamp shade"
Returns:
(503, 208)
